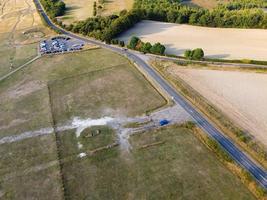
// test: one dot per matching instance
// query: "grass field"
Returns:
(24, 96)
(179, 167)
(223, 43)
(20, 30)
(29, 168)
(117, 91)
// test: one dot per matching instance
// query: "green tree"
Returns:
(158, 49)
(133, 42)
(121, 43)
(146, 47)
(197, 54)
(188, 54)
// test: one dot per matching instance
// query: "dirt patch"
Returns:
(228, 43)
(240, 95)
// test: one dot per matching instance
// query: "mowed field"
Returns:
(242, 96)
(169, 163)
(224, 43)
(20, 30)
(29, 166)
(82, 9)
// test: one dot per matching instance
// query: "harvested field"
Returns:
(159, 166)
(77, 10)
(239, 95)
(209, 4)
(20, 30)
(224, 43)
(115, 6)
(82, 9)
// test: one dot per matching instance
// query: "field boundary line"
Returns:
(85, 73)
(57, 140)
(19, 68)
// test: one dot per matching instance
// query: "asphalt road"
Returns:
(227, 144)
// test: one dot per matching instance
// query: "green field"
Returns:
(12, 57)
(119, 90)
(24, 96)
(178, 168)
(93, 84)
(29, 169)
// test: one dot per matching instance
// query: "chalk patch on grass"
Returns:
(25, 135)
(81, 124)
(80, 146)
(81, 155)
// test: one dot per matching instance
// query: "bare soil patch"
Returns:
(224, 43)
(241, 96)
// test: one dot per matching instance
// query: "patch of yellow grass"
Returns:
(77, 10)
(115, 6)
(20, 29)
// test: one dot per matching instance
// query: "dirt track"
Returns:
(222, 43)
(241, 96)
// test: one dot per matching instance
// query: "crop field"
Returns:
(224, 43)
(20, 30)
(158, 166)
(82, 9)
(239, 95)
(29, 156)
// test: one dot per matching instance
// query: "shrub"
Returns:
(146, 47)
(196, 54)
(158, 49)
(133, 42)
(121, 43)
(187, 54)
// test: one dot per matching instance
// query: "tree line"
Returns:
(106, 28)
(239, 14)
(146, 47)
(54, 8)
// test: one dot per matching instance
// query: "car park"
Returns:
(60, 44)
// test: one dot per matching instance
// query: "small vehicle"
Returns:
(164, 122)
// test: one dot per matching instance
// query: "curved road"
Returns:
(227, 144)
